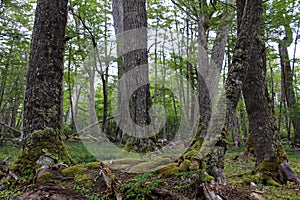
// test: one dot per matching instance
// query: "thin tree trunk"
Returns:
(287, 81)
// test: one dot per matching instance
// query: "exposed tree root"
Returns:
(288, 173)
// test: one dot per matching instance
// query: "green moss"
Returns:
(47, 143)
(45, 177)
(149, 166)
(250, 145)
(205, 177)
(168, 170)
(184, 165)
(127, 161)
(268, 180)
(88, 184)
(194, 165)
(192, 154)
(273, 163)
(74, 170)
(82, 178)
(121, 167)
(93, 165)
(250, 177)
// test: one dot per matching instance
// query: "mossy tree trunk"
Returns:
(248, 72)
(44, 91)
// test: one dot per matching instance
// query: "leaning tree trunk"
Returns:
(271, 160)
(44, 92)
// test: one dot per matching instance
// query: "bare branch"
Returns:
(11, 128)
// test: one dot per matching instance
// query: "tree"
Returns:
(44, 92)
(248, 73)
(131, 15)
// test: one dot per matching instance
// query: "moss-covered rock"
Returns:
(41, 143)
(45, 178)
(150, 165)
(168, 170)
(93, 165)
(74, 170)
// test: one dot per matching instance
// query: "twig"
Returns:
(97, 122)
(11, 128)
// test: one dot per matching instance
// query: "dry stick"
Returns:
(9, 127)
(94, 124)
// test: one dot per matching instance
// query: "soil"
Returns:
(171, 188)
(50, 192)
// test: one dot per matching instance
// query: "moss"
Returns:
(205, 177)
(194, 165)
(192, 154)
(45, 177)
(250, 145)
(270, 181)
(73, 170)
(93, 165)
(122, 167)
(47, 143)
(273, 163)
(127, 161)
(184, 165)
(88, 184)
(168, 170)
(149, 166)
(197, 140)
(251, 177)
(82, 178)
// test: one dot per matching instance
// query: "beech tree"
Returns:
(44, 92)
(131, 15)
(248, 74)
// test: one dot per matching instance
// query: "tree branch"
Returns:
(11, 128)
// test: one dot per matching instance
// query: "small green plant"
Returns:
(139, 189)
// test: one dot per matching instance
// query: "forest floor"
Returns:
(85, 182)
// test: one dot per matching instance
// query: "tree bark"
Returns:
(130, 15)
(287, 84)
(44, 92)
(271, 160)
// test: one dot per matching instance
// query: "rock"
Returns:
(253, 185)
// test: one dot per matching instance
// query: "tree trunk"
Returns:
(270, 155)
(44, 92)
(213, 133)
(287, 81)
(43, 98)
(130, 19)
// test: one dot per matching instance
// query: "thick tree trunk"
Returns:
(44, 92)
(130, 18)
(271, 160)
